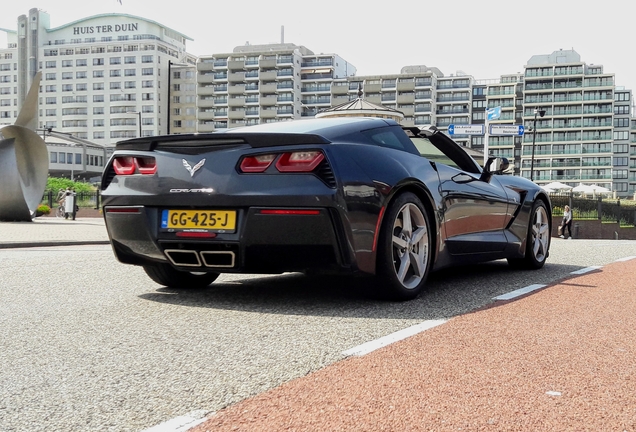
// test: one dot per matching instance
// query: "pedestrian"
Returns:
(566, 222)
(60, 197)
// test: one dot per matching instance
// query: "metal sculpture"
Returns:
(24, 162)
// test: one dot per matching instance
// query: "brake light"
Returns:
(289, 212)
(146, 165)
(129, 165)
(256, 164)
(124, 165)
(301, 161)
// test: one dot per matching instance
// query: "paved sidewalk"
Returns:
(50, 231)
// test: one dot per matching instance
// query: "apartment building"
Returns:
(265, 83)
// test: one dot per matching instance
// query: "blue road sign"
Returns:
(473, 129)
(500, 129)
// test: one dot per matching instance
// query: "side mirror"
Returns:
(494, 165)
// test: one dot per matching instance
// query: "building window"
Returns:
(81, 75)
(147, 71)
(51, 64)
(81, 62)
(67, 63)
(98, 110)
(98, 74)
(115, 60)
(130, 59)
(130, 72)
(98, 62)
(53, 157)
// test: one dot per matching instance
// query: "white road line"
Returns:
(368, 347)
(181, 423)
(586, 270)
(519, 292)
(626, 258)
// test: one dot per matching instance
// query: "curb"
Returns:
(17, 245)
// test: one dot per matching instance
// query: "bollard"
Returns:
(575, 231)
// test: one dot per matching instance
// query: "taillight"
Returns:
(129, 165)
(298, 161)
(256, 164)
(301, 161)
(124, 165)
(146, 165)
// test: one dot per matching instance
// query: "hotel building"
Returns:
(104, 79)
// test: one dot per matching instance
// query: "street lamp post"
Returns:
(169, 96)
(541, 113)
(139, 116)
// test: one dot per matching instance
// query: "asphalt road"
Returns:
(90, 344)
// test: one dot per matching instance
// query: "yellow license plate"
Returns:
(213, 220)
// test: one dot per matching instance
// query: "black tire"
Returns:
(165, 274)
(537, 241)
(404, 249)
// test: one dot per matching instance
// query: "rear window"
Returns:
(391, 137)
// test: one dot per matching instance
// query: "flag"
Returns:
(493, 113)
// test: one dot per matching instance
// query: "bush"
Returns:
(56, 183)
(42, 209)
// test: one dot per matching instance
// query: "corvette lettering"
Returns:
(206, 190)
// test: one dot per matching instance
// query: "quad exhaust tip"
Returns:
(191, 258)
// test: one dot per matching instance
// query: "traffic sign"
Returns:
(500, 129)
(466, 129)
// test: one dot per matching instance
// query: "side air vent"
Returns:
(325, 174)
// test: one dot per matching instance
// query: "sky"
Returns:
(484, 39)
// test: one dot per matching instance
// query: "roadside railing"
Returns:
(82, 199)
(598, 208)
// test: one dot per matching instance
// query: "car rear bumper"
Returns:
(264, 241)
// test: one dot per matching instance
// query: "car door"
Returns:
(474, 207)
(475, 211)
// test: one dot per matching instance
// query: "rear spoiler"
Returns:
(253, 139)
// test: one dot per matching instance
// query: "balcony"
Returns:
(236, 102)
(236, 77)
(268, 88)
(406, 98)
(268, 101)
(268, 113)
(238, 89)
(269, 75)
(267, 63)
(405, 86)
(236, 64)
(237, 114)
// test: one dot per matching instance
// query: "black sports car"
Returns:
(346, 195)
